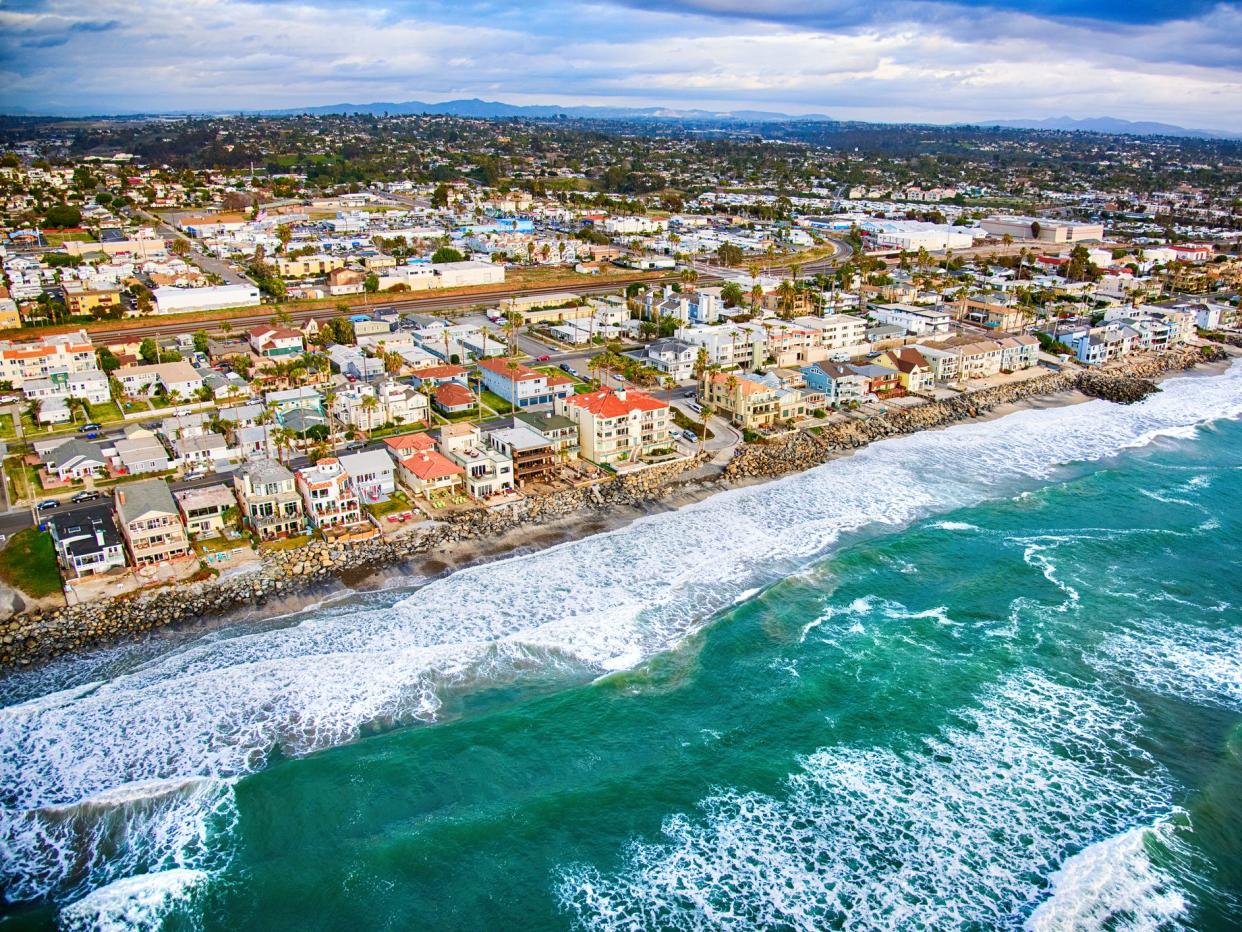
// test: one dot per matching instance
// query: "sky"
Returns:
(930, 61)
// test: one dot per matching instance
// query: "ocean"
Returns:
(982, 678)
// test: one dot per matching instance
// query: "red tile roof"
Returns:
(430, 465)
(609, 403)
(419, 441)
(511, 369)
(439, 372)
(450, 395)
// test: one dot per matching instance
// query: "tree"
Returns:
(200, 341)
(284, 233)
(371, 283)
(107, 359)
(446, 254)
(1035, 229)
(180, 246)
(61, 216)
(729, 254)
(701, 362)
(440, 196)
(370, 404)
(149, 350)
(731, 294)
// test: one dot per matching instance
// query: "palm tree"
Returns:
(370, 404)
(329, 400)
(705, 414)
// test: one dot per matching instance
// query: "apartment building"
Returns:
(521, 385)
(307, 266)
(617, 425)
(40, 359)
(150, 522)
(83, 297)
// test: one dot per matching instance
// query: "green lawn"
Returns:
(28, 563)
(496, 403)
(397, 503)
(287, 543)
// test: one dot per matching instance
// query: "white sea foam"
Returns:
(221, 706)
(133, 828)
(951, 834)
(135, 904)
(1113, 884)
(1198, 664)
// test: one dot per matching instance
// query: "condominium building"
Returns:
(618, 425)
(40, 359)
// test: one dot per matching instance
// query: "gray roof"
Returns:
(266, 471)
(74, 448)
(135, 499)
(519, 438)
(545, 420)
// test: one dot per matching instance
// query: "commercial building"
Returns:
(1043, 229)
(211, 298)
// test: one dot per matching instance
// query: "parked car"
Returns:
(195, 474)
(86, 428)
(695, 407)
(690, 435)
(568, 369)
(544, 358)
(48, 504)
(86, 497)
(9, 399)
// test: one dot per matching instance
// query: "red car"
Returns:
(544, 358)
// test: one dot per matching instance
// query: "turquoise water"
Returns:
(982, 678)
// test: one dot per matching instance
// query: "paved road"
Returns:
(206, 262)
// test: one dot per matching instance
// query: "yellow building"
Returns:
(83, 299)
(750, 403)
(305, 266)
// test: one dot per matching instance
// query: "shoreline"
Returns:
(293, 582)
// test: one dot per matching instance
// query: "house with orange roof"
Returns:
(428, 471)
(521, 385)
(406, 444)
(617, 425)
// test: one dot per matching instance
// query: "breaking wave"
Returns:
(954, 833)
(220, 707)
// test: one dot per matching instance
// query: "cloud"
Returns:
(891, 59)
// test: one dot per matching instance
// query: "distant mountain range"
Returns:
(1112, 125)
